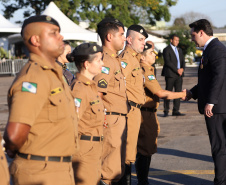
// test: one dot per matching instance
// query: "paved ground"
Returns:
(183, 152)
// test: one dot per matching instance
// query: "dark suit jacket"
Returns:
(170, 62)
(211, 87)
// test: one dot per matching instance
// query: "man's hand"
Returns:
(208, 110)
(188, 95)
(180, 71)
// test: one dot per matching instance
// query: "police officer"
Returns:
(87, 162)
(62, 60)
(42, 125)
(111, 86)
(149, 129)
(4, 172)
(130, 65)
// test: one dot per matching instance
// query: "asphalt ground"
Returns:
(183, 157)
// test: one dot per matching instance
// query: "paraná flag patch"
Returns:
(123, 64)
(29, 87)
(78, 102)
(151, 77)
(105, 70)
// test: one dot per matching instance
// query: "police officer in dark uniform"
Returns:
(62, 60)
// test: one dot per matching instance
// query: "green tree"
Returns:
(128, 11)
(36, 7)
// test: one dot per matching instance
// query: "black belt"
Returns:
(135, 104)
(94, 138)
(115, 113)
(45, 158)
(148, 109)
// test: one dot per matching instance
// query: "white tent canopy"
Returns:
(69, 29)
(8, 27)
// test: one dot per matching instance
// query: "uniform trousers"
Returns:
(32, 172)
(216, 126)
(176, 83)
(133, 127)
(4, 171)
(149, 130)
(114, 149)
(87, 163)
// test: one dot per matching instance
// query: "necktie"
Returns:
(178, 59)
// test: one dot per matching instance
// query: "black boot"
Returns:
(142, 168)
(126, 178)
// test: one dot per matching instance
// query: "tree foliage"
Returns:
(128, 11)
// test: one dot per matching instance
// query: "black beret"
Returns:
(138, 29)
(147, 46)
(110, 20)
(39, 18)
(86, 49)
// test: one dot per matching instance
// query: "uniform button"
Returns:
(97, 96)
(59, 89)
(59, 100)
(120, 77)
(1, 157)
(98, 109)
(35, 63)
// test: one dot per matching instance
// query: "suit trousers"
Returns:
(216, 126)
(32, 172)
(176, 83)
(4, 171)
(87, 163)
(133, 127)
(114, 149)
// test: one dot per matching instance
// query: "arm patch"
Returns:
(102, 83)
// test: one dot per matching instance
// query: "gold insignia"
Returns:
(45, 67)
(112, 55)
(94, 102)
(146, 47)
(56, 91)
(141, 31)
(94, 48)
(88, 83)
(48, 18)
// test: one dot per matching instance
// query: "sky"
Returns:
(214, 9)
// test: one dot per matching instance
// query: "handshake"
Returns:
(187, 95)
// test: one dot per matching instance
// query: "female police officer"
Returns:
(149, 129)
(87, 162)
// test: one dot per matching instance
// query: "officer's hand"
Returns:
(208, 110)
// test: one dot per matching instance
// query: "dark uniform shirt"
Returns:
(68, 76)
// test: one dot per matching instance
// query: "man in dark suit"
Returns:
(173, 70)
(211, 93)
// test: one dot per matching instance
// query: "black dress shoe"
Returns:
(165, 114)
(177, 114)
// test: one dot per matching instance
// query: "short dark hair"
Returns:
(173, 35)
(202, 24)
(104, 27)
(66, 42)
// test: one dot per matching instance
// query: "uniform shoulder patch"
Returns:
(29, 87)
(77, 102)
(105, 70)
(123, 64)
(151, 77)
(102, 83)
